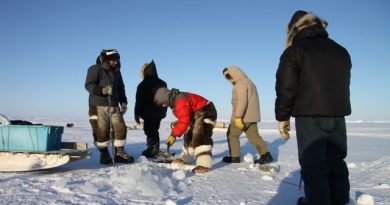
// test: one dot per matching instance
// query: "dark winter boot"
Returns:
(122, 157)
(229, 159)
(302, 201)
(264, 159)
(105, 157)
(151, 151)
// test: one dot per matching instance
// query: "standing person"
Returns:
(107, 105)
(196, 120)
(146, 109)
(245, 116)
(312, 85)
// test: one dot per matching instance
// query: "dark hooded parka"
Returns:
(314, 73)
(312, 84)
(144, 105)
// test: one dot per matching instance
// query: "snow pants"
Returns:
(151, 127)
(322, 148)
(251, 132)
(99, 118)
(197, 140)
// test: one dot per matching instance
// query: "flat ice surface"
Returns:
(145, 182)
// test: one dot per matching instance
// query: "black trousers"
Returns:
(322, 148)
(151, 127)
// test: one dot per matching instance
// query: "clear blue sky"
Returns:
(47, 47)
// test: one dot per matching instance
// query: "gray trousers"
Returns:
(322, 147)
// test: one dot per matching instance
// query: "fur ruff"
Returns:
(119, 143)
(102, 144)
(187, 155)
(204, 161)
(203, 156)
(304, 22)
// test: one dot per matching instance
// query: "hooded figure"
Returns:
(146, 109)
(107, 105)
(196, 117)
(245, 116)
(312, 85)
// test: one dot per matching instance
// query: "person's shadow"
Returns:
(290, 188)
(288, 191)
(274, 147)
(249, 148)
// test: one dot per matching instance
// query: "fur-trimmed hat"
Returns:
(110, 54)
(301, 20)
(295, 17)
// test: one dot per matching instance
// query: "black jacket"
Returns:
(98, 78)
(313, 77)
(144, 104)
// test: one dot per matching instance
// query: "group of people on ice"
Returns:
(312, 85)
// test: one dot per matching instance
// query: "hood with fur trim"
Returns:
(234, 74)
(149, 70)
(305, 21)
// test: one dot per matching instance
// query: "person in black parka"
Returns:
(312, 85)
(146, 109)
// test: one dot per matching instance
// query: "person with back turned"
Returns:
(312, 85)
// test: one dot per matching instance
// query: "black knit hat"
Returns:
(297, 15)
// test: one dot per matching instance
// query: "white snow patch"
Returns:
(88, 182)
(61, 186)
(351, 165)
(248, 157)
(179, 174)
(365, 199)
(382, 186)
(181, 166)
(267, 178)
(89, 188)
(170, 202)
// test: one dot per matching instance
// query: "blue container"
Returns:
(30, 138)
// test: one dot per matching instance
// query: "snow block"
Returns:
(30, 138)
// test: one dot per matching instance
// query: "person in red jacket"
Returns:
(196, 117)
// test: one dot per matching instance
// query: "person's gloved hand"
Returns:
(123, 108)
(284, 128)
(136, 118)
(107, 90)
(171, 140)
(239, 123)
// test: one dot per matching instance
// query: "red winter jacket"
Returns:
(185, 105)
